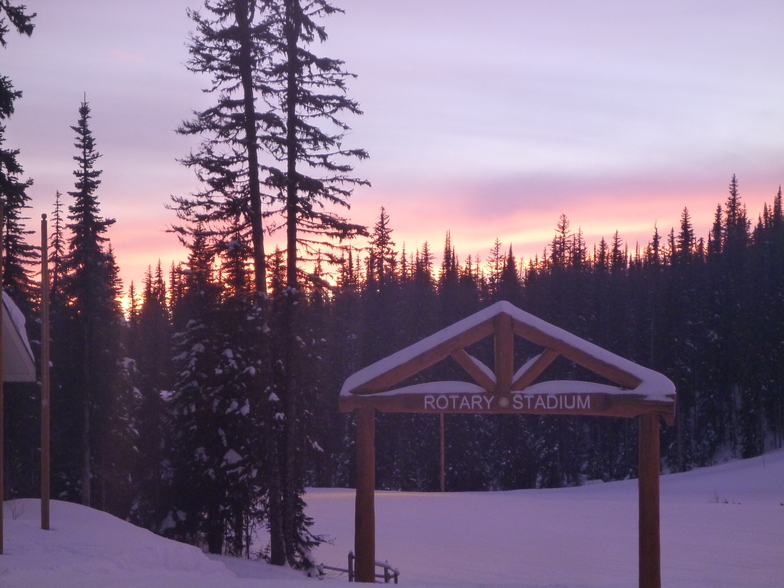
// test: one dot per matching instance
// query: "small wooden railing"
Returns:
(390, 573)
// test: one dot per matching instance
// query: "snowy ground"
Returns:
(721, 527)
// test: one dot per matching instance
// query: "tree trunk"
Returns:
(287, 456)
(86, 457)
(244, 11)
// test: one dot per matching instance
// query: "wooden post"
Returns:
(2, 374)
(504, 353)
(443, 455)
(365, 514)
(45, 482)
(650, 546)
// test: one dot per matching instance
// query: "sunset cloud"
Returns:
(125, 56)
(489, 123)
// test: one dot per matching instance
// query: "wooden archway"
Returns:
(634, 392)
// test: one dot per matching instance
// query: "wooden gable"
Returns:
(634, 389)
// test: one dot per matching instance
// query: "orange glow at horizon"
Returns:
(529, 230)
(422, 218)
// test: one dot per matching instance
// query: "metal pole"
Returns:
(45, 482)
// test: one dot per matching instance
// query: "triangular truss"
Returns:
(635, 389)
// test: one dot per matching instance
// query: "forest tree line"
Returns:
(182, 445)
(204, 411)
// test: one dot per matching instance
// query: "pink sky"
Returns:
(487, 120)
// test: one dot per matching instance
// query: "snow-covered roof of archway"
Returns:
(640, 389)
(18, 364)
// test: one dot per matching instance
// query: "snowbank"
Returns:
(87, 547)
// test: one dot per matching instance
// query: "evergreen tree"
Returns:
(277, 124)
(495, 266)
(18, 19)
(216, 418)
(452, 307)
(736, 222)
(381, 293)
(230, 46)
(510, 286)
(561, 247)
(194, 446)
(90, 343)
(738, 395)
(685, 242)
(311, 172)
(19, 256)
(150, 326)
(57, 251)
(381, 251)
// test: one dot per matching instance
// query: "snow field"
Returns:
(721, 527)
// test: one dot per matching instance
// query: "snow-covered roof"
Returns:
(18, 363)
(504, 321)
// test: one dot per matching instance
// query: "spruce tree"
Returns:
(381, 251)
(495, 266)
(561, 246)
(451, 306)
(19, 255)
(150, 329)
(57, 247)
(738, 427)
(91, 348)
(509, 285)
(18, 258)
(214, 414)
(381, 292)
(194, 446)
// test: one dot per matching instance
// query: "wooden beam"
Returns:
(45, 468)
(504, 353)
(442, 477)
(365, 513)
(607, 370)
(649, 546)
(535, 370)
(566, 403)
(2, 375)
(425, 359)
(468, 363)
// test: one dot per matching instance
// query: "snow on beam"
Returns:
(397, 367)
(532, 369)
(652, 389)
(597, 363)
(476, 369)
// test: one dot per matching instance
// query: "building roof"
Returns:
(18, 363)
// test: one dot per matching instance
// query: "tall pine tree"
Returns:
(311, 174)
(89, 345)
